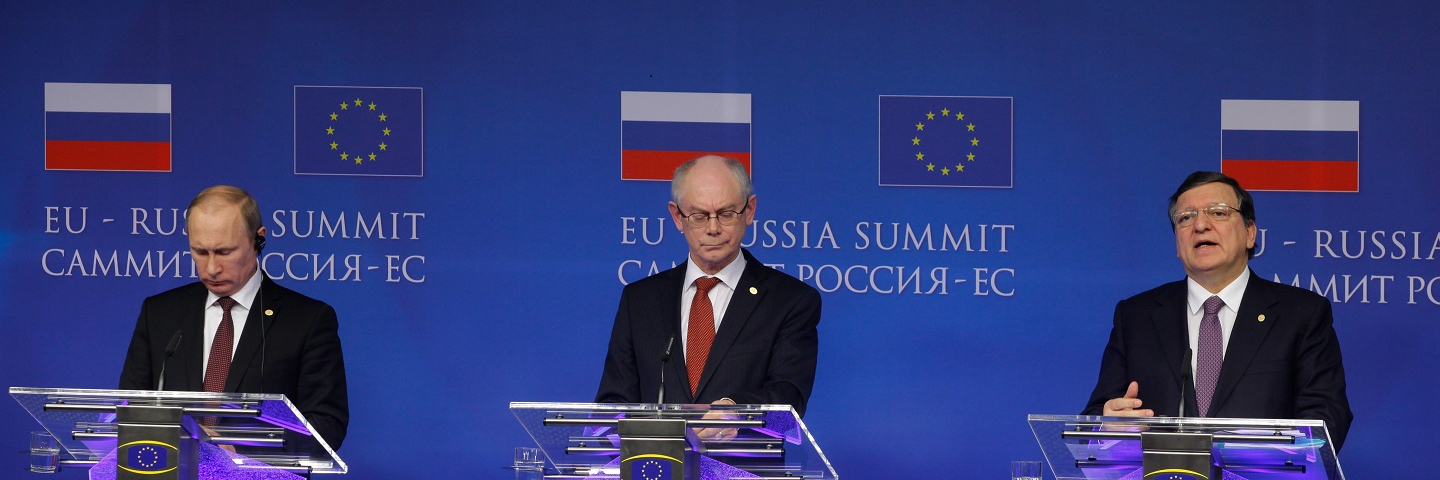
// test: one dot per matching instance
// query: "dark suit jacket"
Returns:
(1287, 366)
(301, 352)
(764, 352)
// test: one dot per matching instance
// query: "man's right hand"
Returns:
(1129, 405)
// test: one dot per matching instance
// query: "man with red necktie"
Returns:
(747, 332)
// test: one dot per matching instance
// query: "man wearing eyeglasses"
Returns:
(1254, 348)
(743, 332)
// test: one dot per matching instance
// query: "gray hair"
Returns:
(737, 170)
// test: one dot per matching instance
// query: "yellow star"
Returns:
(372, 105)
(344, 156)
(334, 146)
(970, 127)
(344, 106)
(959, 116)
(329, 130)
(919, 126)
(944, 112)
(382, 146)
(930, 167)
(357, 101)
(930, 116)
(970, 156)
(915, 140)
(372, 156)
(387, 131)
(945, 171)
(333, 116)
(382, 117)
(358, 159)
(920, 155)
(959, 167)
(974, 142)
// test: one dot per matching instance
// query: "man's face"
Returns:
(1211, 251)
(222, 248)
(710, 189)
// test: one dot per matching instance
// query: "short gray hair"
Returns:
(737, 170)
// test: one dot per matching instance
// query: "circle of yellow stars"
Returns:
(920, 152)
(344, 154)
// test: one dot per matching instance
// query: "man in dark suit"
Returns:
(763, 322)
(1260, 349)
(273, 339)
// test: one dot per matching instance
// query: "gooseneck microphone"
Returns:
(1185, 378)
(664, 359)
(169, 351)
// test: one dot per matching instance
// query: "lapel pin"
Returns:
(754, 291)
(269, 312)
(1261, 317)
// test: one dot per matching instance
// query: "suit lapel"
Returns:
(1171, 331)
(737, 314)
(250, 341)
(1245, 338)
(189, 359)
(669, 305)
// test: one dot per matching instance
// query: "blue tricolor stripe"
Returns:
(720, 137)
(1290, 145)
(108, 127)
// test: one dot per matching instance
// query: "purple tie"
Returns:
(1211, 355)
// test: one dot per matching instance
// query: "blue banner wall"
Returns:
(478, 258)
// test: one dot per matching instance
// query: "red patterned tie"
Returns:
(701, 332)
(218, 367)
(1211, 354)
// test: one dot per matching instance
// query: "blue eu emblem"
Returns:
(650, 469)
(146, 457)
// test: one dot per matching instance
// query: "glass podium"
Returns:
(711, 442)
(183, 435)
(1125, 448)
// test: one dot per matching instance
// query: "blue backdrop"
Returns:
(491, 273)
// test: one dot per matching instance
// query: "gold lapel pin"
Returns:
(754, 291)
(1261, 318)
(269, 312)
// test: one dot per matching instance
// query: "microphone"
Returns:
(664, 359)
(169, 351)
(1185, 378)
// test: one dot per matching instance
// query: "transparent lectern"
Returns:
(1184, 448)
(169, 435)
(693, 442)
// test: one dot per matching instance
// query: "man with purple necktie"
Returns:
(1258, 349)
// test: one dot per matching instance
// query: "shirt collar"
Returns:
(1231, 294)
(245, 297)
(730, 275)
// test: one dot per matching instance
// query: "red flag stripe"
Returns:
(1295, 175)
(128, 156)
(660, 165)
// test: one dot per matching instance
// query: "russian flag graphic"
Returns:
(661, 130)
(1291, 145)
(107, 126)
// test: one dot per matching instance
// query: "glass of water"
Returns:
(44, 452)
(1025, 470)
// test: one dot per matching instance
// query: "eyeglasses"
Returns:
(701, 219)
(1217, 212)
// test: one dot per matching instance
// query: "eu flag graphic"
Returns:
(146, 457)
(947, 141)
(107, 126)
(650, 469)
(369, 131)
(1291, 145)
